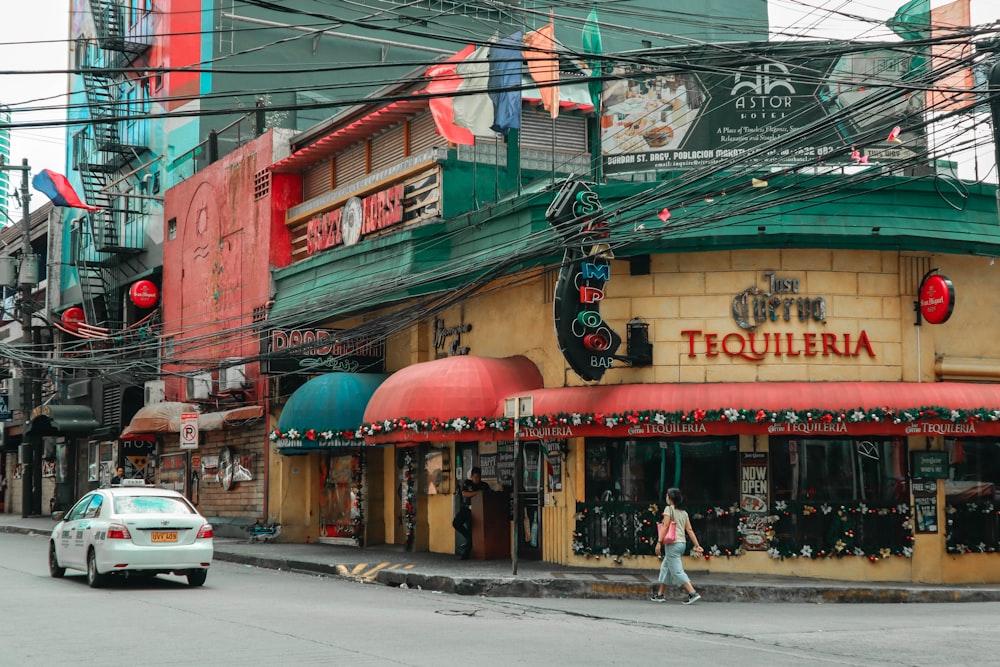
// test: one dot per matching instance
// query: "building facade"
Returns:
(770, 366)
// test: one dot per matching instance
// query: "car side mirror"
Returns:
(58, 515)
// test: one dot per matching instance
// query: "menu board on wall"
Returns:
(505, 463)
(925, 505)
(754, 499)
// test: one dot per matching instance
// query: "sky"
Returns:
(33, 38)
(24, 31)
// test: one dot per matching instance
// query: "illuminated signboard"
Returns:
(588, 344)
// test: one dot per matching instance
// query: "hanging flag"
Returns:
(57, 188)
(505, 76)
(952, 90)
(543, 64)
(917, 21)
(912, 20)
(475, 111)
(592, 45)
(444, 81)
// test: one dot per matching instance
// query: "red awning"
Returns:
(819, 408)
(446, 390)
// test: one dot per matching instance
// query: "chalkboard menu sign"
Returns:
(505, 463)
(925, 505)
(930, 465)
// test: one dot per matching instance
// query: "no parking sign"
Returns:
(189, 430)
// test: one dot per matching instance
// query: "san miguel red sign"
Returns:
(356, 218)
(937, 298)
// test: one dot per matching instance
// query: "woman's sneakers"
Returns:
(657, 598)
(692, 598)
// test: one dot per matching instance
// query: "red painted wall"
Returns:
(286, 191)
(216, 266)
(182, 21)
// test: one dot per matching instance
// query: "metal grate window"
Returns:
(261, 184)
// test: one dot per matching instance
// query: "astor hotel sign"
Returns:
(778, 301)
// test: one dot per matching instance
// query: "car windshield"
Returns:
(151, 505)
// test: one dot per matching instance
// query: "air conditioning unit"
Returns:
(199, 386)
(154, 392)
(232, 377)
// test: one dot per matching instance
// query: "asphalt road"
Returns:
(250, 616)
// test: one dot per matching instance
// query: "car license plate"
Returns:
(164, 536)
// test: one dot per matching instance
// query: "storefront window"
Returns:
(971, 495)
(642, 470)
(627, 479)
(839, 497)
(839, 470)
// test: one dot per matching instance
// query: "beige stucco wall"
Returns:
(865, 291)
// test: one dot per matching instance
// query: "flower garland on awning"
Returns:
(322, 437)
(724, 416)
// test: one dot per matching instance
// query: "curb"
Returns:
(549, 587)
(26, 531)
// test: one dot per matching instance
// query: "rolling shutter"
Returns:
(350, 165)
(569, 134)
(317, 180)
(423, 134)
(388, 148)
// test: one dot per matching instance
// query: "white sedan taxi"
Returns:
(131, 530)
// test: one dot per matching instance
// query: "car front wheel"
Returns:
(94, 578)
(196, 577)
(55, 571)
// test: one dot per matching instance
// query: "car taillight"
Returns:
(205, 531)
(116, 531)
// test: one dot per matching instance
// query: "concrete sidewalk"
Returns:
(391, 565)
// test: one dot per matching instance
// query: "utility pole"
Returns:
(30, 452)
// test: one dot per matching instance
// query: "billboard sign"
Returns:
(792, 107)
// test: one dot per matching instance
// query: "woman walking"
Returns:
(672, 570)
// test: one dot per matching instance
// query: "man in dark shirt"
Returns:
(463, 519)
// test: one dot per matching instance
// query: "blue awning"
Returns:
(325, 412)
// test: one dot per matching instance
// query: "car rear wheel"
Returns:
(55, 570)
(94, 578)
(196, 577)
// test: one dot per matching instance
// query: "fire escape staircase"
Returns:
(107, 242)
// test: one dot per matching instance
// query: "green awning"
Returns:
(325, 412)
(70, 420)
